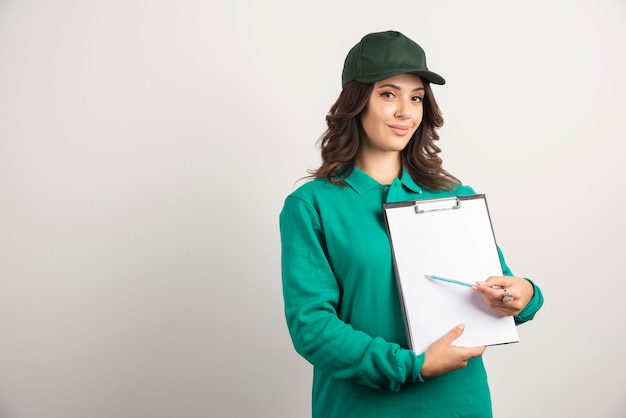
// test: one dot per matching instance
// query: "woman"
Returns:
(341, 301)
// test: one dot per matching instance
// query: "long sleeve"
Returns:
(312, 296)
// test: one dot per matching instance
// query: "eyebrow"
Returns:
(393, 86)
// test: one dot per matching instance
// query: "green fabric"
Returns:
(343, 311)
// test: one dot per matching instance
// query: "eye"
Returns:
(387, 95)
(418, 99)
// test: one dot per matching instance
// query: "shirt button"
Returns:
(386, 188)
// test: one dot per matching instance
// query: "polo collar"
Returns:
(407, 181)
(362, 183)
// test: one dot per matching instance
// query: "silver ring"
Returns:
(507, 297)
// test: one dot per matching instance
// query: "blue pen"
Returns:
(445, 279)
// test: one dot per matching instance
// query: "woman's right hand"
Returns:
(442, 357)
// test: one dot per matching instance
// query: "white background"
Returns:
(146, 148)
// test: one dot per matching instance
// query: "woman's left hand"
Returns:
(519, 289)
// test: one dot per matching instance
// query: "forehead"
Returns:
(404, 81)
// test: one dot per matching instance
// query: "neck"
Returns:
(382, 168)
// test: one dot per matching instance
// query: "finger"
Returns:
(453, 334)
(501, 281)
(471, 352)
(507, 297)
(478, 351)
(475, 352)
(483, 289)
(487, 292)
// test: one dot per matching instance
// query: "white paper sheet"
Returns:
(456, 243)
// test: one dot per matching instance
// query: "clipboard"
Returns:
(450, 237)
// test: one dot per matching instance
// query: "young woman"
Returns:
(341, 302)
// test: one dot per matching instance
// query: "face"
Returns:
(393, 114)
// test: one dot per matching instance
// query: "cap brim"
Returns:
(429, 76)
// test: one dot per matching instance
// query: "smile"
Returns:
(400, 130)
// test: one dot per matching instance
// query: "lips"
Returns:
(400, 130)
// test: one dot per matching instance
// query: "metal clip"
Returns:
(435, 205)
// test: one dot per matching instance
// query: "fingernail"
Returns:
(461, 326)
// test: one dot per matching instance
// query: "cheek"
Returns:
(368, 123)
(419, 117)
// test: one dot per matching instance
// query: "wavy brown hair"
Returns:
(340, 143)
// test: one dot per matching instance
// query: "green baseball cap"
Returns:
(382, 55)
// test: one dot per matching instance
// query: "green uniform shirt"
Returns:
(343, 310)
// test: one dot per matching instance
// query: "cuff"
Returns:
(419, 362)
(533, 306)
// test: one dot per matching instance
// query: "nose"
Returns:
(403, 109)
